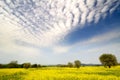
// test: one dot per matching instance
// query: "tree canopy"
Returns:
(70, 64)
(108, 60)
(77, 63)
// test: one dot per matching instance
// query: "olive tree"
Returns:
(26, 65)
(108, 60)
(77, 63)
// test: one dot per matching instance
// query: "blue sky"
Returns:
(58, 32)
(109, 23)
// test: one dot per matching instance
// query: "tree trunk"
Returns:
(109, 66)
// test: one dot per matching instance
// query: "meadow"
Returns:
(59, 73)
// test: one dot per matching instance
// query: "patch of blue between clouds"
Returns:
(111, 22)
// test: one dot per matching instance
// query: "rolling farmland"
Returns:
(58, 73)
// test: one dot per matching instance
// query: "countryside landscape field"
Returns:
(59, 39)
(59, 73)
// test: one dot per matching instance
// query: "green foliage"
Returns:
(77, 63)
(108, 60)
(70, 64)
(34, 66)
(26, 65)
(39, 66)
(1, 66)
(13, 64)
(61, 65)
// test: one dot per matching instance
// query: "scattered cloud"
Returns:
(47, 22)
(29, 27)
(8, 34)
(101, 38)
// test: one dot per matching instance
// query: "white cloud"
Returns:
(8, 46)
(106, 37)
(109, 48)
(46, 22)
(102, 38)
(60, 49)
(8, 34)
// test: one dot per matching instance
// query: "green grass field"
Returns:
(55, 73)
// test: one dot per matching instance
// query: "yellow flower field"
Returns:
(57, 73)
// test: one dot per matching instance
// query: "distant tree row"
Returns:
(76, 64)
(107, 60)
(14, 64)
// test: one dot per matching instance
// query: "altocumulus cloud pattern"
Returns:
(49, 21)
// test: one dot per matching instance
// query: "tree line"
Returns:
(14, 64)
(107, 60)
